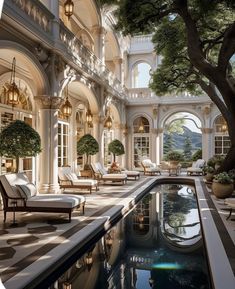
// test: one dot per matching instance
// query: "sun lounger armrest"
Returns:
(65, 182)
(12, 199)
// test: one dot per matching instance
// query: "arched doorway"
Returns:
(141, 140)
(182, 133)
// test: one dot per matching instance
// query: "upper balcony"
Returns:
(145, 95)
(141, 44)
(32, 17)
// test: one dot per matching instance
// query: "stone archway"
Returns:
(183, 133)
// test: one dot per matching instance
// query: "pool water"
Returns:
(157, 245)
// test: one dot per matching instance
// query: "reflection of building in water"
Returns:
(135, 251)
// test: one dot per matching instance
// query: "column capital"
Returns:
(98, 30)
(48, 102)
(159, 130)
(206, 130)
(117, 60)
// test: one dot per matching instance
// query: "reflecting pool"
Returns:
(157, 245)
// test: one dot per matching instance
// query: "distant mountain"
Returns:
(178, 139)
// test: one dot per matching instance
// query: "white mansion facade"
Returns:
(101, 73)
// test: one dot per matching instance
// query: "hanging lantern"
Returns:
(141, 127)
(67, 285)
(224, 127)
(89, 260)
(67, 107)
(13, 90)
(108, 122)
(68, 8)
(89, 116)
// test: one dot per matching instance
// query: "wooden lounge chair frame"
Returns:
(7, 200)
(68, 184)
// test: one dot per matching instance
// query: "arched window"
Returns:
(222, 140)
(141, 75)
(141, 140)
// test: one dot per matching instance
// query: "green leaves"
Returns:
(116, 147)
(19, 140)
(87, 145)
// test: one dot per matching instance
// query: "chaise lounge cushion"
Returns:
(27, 190)
(131, 173)
(65, 174)
(55, 201)
(106, 175)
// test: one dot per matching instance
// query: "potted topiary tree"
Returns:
(87, 145)
(116, 148)
(222, 185)
(19, 140)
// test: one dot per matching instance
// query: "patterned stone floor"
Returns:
(37, 234)
(39, 239)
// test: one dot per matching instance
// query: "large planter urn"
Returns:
(222, 191)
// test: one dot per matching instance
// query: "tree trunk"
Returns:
(229, 162)
(17, 164)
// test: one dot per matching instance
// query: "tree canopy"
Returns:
(19, 140)
(87, 145)
(197, 41)
(116, 148)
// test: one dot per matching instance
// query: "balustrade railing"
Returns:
(87, 59)
(138, 94)
(35, 11)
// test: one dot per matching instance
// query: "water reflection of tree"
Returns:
(176, 221)
(175, 203)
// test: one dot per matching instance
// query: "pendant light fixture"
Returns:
(108, 122)
(67, 107)
(68, 8)
(141, 126)
(89, 117)
(13, 92)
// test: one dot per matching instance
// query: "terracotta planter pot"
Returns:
(115, 165)
(222, 191)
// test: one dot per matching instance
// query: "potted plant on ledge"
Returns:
(222, 185)
(116, 148)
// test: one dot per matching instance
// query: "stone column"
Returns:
(159, 145)
(48, 128)
(154, 145)
(207, 143)
(96, 135)
(118, 68)
(99, 42)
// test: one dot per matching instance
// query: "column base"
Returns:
(49, 188)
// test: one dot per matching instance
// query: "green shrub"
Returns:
(223, 178)
(215, 160)
(197, 155)
(174, 156)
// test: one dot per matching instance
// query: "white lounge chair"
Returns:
(101, 174)
(150, 168)
(19, 195)
(131, 174)
(68, 179)
(196, 168)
